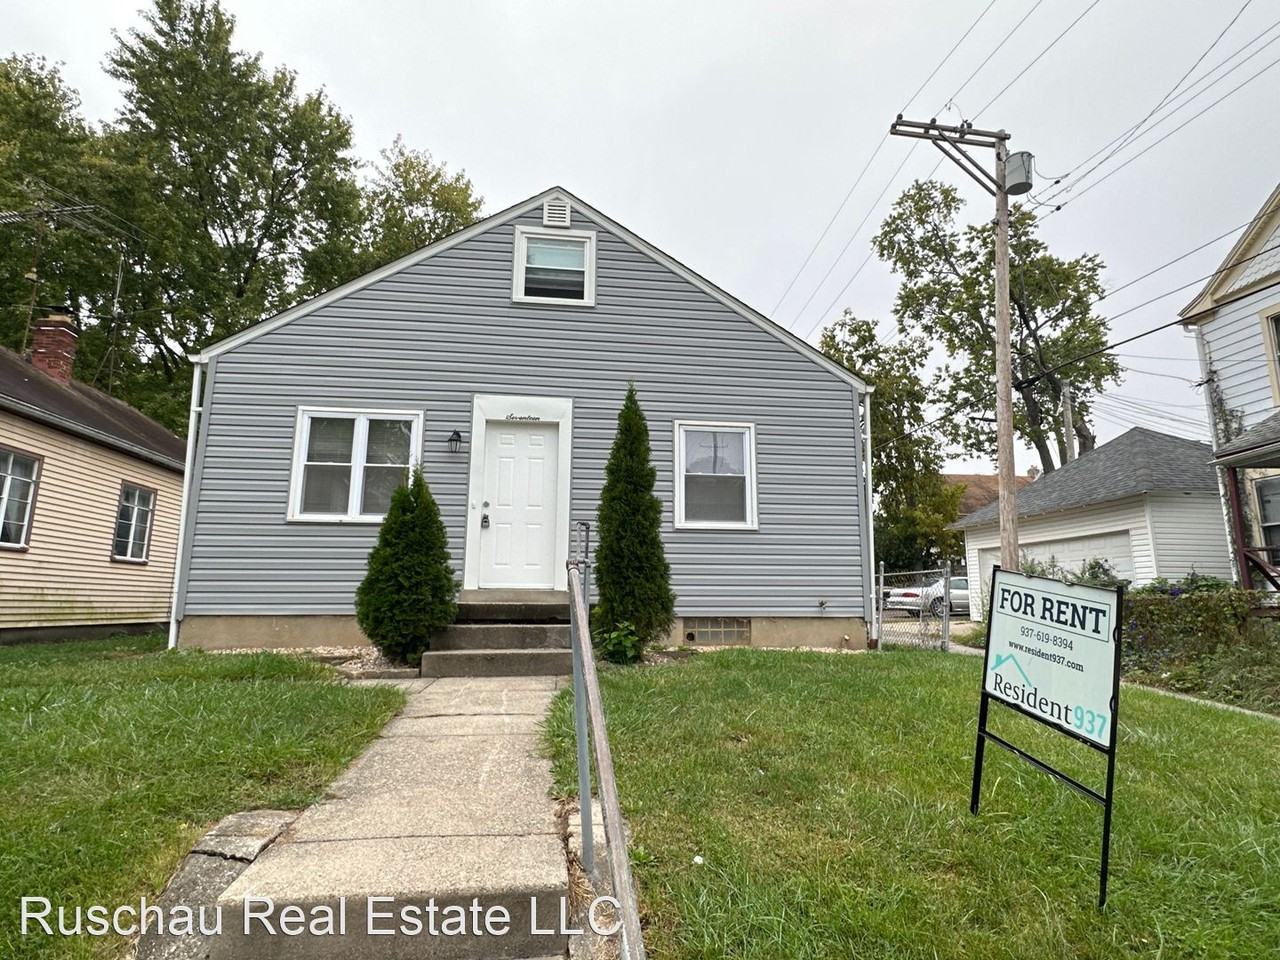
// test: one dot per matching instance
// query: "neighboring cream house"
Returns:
(1236, 321)
(1146, 502)
(90, 491)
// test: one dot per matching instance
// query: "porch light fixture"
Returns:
(455, 441)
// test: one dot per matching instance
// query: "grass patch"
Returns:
(118, 754)
(828, 796)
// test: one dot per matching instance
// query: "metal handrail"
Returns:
(587, 705)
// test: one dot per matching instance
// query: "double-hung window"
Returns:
(134, 518)
(347, 463)
(715, 475)
(18, 474)
(554, 266)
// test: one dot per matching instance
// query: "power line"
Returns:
(848, 283)
(1111, 173)
(1183, 256)
(871, 209)
(998, 46)
(1109, 347)
(943, 61)
(1174, 89)
(875, 153)
(853, 236)
(834, 216)
(1053, 43)
(1186, 96)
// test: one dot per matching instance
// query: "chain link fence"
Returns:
(914, 608)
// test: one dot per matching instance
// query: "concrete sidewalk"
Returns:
(451, 803)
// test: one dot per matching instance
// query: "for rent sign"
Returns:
(1051, 652)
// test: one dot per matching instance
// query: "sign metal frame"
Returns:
(1105, 798)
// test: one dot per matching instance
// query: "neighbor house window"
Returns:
(134, 517)
(18, 474)
(715, 475)
(1268, 492)
(347, 463)
(1274, 323)
(555, 266)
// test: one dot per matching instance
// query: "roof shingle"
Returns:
(79, 408)
(1138, 461)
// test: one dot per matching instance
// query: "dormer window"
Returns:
(554, 266)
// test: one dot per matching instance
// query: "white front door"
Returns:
(518, 498)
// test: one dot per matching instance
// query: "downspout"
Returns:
(869, 578)
(193, 421)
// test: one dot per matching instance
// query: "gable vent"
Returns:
(555, 212)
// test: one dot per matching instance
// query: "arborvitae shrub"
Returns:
(633, 578)
(409, 592)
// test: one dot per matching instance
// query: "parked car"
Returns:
(928, 596)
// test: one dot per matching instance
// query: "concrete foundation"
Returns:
(270, 632)
(283, 632)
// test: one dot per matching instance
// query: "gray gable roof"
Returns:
(1138, 461)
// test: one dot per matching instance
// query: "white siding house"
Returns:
(1236, 321)
(1145, 502)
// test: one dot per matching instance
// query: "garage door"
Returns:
(1069, 553)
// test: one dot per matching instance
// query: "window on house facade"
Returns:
(18, 474)
(715, 475)
(1274, 323)
(1268, 493)
(347, 463)
(134, 518)
(554, 266)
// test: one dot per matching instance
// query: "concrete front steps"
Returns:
(504, 633)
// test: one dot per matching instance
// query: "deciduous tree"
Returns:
(913, 504)
(948, 295)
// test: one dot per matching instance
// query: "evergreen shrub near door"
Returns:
(635, 605)
(409, 592)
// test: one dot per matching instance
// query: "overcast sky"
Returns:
(727, 132)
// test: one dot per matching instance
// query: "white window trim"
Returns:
(1268, 319)
(749, 460)
(359, 441)
(23, 544)
(133, 523)
(520, 254)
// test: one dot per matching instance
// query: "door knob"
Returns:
(484, 521)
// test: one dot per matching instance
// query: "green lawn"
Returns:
(828, 797)
(117, 755)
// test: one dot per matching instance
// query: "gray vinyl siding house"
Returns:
(444, 338)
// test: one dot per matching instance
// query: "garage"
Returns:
(1114, 546)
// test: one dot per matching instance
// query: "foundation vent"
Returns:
(555, 212)
(717, 631)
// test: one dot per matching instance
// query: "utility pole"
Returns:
(951, 141)
(1068, 422)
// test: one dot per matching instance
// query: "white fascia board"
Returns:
(497, 219)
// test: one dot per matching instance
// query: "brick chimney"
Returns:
(54, 345)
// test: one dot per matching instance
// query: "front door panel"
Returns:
(517, 546)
